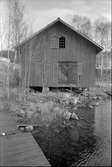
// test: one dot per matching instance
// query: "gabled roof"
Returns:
(99, 48)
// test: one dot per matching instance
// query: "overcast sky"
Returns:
(38, 13)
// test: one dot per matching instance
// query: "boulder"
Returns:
(67, 115)
(29, 128)
(75, 100)
(21, 113)
(74, 116)
(90, 106)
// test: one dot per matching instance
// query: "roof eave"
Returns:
(98, 47)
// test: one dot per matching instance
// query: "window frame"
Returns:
(54, 42)
(62, 42)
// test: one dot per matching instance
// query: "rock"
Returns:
(74, 116)
(99, 97)
(90, 106)
(29, 128)
(67, 115)
(75, 100)
(97, 104)
(21, 128)
(95, 97)
(67, 95)
(21, 113)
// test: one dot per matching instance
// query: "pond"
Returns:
(88, 144)
(101, 156)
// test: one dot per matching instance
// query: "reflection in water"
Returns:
(87, 144)
(101, 155)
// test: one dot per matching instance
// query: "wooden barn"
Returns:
(58, 56)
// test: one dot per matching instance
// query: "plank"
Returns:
(21, 149)
(18, 149)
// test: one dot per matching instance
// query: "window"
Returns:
(79, 77)
(62, 42)
(54, 42)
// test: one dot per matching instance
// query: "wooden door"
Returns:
(67, 73)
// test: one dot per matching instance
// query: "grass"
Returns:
(60, 136)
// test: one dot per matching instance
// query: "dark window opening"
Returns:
(79, 77)
(62, 42)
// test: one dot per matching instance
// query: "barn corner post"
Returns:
(25, 78)
(25, 81)
(29, 70)
(45, 88)
(20, 86)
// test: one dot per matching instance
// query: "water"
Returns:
(101, 156)
(93, 148)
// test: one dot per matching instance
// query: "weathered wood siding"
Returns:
(45, 58)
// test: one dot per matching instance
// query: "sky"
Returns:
(41, 12)
(38, 13)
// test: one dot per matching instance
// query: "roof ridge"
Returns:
(66, 24)
(81, 33)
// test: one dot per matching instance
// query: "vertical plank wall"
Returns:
(44, 61)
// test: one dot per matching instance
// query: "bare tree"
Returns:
(102, 34)
(82, 23)
(102, 30)
(18, 29)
